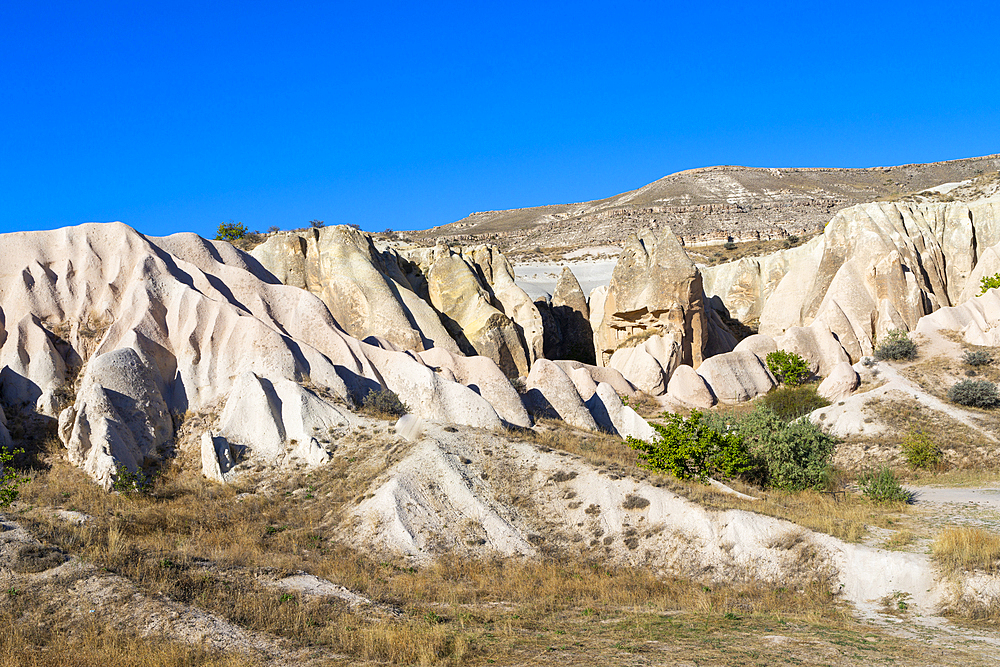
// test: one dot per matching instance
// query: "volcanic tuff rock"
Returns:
(157, 327)
(657, 290)
(876, 267)
(365, 290)
(572, 316)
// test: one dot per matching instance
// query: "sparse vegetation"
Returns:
(979, 357)
(967, 548)
(796, 454)
(882, 486)
(974, 393)
(897, 346)
(10, 480)
(920, 451)
(793, 402)
(130, 483)
(231, 231)
(987, 283)
(788, 368)
(384, 403)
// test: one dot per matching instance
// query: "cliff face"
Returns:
(462, 301)
(876, 267)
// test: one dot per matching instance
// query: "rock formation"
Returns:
(876, 267)
(572, 316)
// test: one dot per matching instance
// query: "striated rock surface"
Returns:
(551, 393)
(876, 267)
(365, 290)
(166, 325)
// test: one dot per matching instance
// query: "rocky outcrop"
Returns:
(689, 388)
(840, 383)
(572, 317)
(649, 364)
(551, 393)
(656, 290)
(163, 326)
(365, 290)
(876, 267)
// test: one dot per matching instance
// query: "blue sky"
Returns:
(180, 116)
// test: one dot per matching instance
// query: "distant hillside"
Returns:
(708, 205)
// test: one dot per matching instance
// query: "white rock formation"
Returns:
(689, 388)
(736, 376)
(551, 393)
(839, 383)
(614, 417)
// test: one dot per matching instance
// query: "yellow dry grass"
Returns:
(966, 548)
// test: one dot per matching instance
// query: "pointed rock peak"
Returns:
(568, 291)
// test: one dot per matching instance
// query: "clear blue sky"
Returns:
(179, 116)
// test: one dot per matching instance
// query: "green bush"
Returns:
(788, 368)
(975, 393)
(920, 451)
(10, 481)
(988, 283)
(977, 357)
(882, 486)
(231, 231)
(796, 455)
(896, 346)
(729, 245)
(384, 402)
(130, 483)
(690, 448)
(793, 402)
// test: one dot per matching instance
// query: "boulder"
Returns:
(759, 344)
(689, 388)
(648, 364)
(817, 345)
(583, 381)
(841, 381)
(599, 374)
(735, 377)
(613, 416)
(552, 394)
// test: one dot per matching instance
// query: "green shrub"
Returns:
(690, 448)
(896, 346)
(975, 393)
(920, 451)
(882, 486)
(130, 483)
(977, 357)
(793, 402)
(796, 455)
(231, 231)
(384, 402)
(788, 368)
(729, 245)
(988, 283)
(10, 481)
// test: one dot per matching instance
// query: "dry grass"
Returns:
(28, 641)
(196, 543)
(965, 548)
